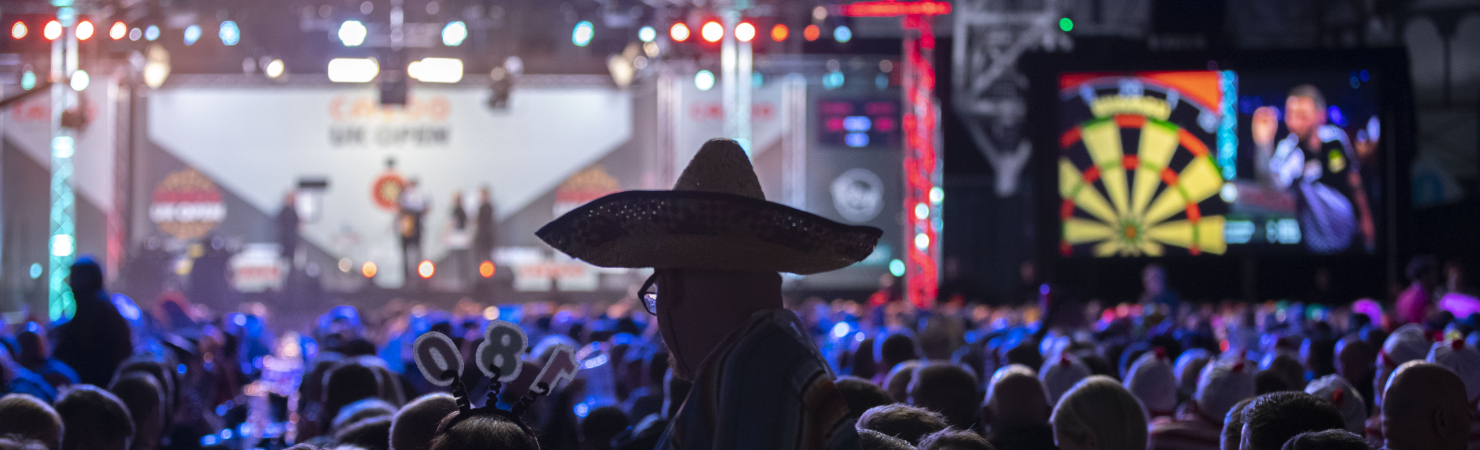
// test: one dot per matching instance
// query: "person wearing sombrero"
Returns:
(716, 247)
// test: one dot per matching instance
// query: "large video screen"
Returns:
(1218, 162)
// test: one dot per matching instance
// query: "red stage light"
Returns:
(812, 32)
(18, 30)
(52, 31)
(744, 31)
(486, 269)
(779, 32)
(679, 32)
(893, 8)
(426, 269)
(84, 30)
(118, 31)
(712, 31)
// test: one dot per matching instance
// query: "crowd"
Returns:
(715, 357)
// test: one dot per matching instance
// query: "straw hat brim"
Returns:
(706, 230)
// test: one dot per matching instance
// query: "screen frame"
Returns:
(1251, 275)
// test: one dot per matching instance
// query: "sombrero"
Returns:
(716, 217)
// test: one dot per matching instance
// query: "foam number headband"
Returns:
(498, 358)
(438, 358)
(498, 355)
(561, 366)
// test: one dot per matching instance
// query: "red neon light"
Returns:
(894, 9)
(920, 158)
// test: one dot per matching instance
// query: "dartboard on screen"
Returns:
(1137, 169)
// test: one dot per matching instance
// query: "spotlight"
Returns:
(274, 68)
(712, 31)
(117, 31)
(812, 32)
(583, 33)
(744, 32)
(80, 80)
(647, 34)
(779, 32)
(229, 34)
(679, 32)
(352, 33)
(84, 30)
(486, 269)
(426, 269)
(18, 30)
(52, 31)
(704, 80)
(436, 70)
(353, 70)
(192, 34)
(454, 33)
(368, 269)
(151, 33)
(842, 34)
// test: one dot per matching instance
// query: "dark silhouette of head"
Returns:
(1272, 419)
(902, 421)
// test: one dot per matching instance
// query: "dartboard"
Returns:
(1140, 184)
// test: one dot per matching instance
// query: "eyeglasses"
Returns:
(649, 294)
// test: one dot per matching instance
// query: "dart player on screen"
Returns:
(1315, 163)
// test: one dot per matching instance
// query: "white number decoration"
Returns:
(435, 354)
(503, 342)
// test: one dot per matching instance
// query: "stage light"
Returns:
(842, 34)
(922, 241)
(84, 30)
(135, 34)
(679, 32)
(896, 268)
(192, 34)
(117, 31)
(274, 68)
(819, 13)
(583, 33)
(62, 245)
(229, 34)
(704, 80)
(490, 313)
(345, 265)
(151, 33)
(744, 31)
(35, 273)
(352, 33)
(454, 33)
(80, 80)
(353, 70)
(487, 269)
(647, 34)
(812, 32)
(28, 80)
(922, 211)
(368, 269)
(18, 30)
(937, 195)
(436, 70)
(779, 32)
(158, 67)
(426, 269)
(52, 31)
(712, 31)
(1066, 24)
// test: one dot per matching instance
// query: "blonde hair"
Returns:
(1100, 408)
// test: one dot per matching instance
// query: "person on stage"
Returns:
(1317, 164)
(413, 206)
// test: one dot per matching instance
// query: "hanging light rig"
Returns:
(922, 194)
